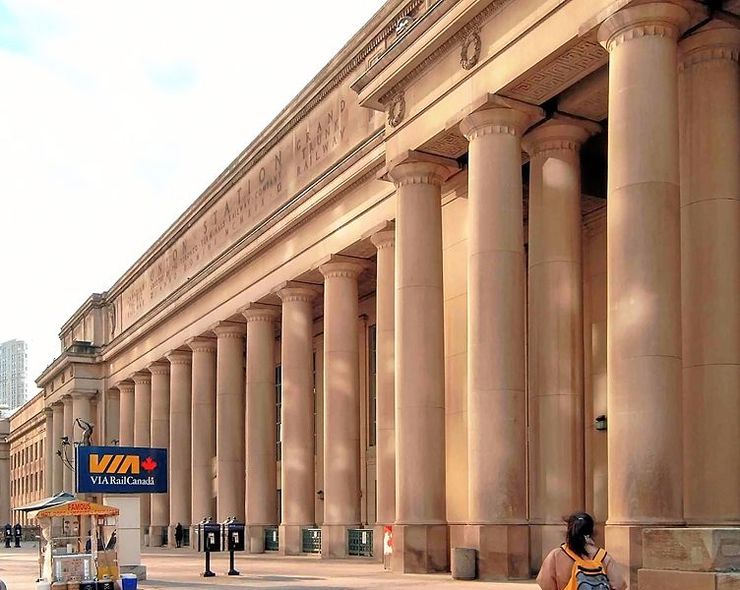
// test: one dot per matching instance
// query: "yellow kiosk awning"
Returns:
(77, 508)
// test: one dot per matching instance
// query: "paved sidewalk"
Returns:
(169, 568)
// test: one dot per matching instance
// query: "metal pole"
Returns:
(208, 573)
(232, 571)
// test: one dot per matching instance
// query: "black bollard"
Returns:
(208, 573)
(232, 571)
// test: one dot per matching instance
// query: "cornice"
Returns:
(349, 58)
(461, 38)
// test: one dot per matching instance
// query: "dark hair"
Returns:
(580, 526)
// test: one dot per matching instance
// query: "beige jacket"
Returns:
(557, 567)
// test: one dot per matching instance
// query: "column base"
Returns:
(255, 538)
(675, 580)
(503, 550)
(378, 548)
(624, 543)
(291, 539)
(420, 548)
(543, 538)
(335, 540)
(155, 535)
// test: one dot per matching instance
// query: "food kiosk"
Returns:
(78, 540)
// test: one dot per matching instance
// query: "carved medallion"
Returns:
(396, 110)
(470, 52)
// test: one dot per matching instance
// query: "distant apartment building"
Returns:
(13, 367)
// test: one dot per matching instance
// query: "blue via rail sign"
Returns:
(121, 470)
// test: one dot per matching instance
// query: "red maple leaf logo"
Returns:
(149, 464)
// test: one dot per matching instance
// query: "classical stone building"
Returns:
(482, 271)
(27, 448)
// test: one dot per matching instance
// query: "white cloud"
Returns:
(114, 116)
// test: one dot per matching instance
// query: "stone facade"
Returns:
(432, 294)
(27, 457)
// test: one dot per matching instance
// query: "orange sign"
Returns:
(78, 508)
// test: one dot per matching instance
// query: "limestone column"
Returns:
(180, 422)
(496, 373)
(112, 417)
(127, 414)
(420, 534)
(385, 369)
(58, 432)
(49, 452)
(644, 277)
(230, 471)
(142, 438)
(297, 465)
(710, 271)
(261, 491)
(5, 482)
(341, 406)
(203, 439)
(68, 451)
(555, 327)
(160, 439)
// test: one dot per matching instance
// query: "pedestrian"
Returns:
(8, 535)
(17, 533)
(178, 535)
(562, 568)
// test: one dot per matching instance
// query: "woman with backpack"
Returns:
(579, 563)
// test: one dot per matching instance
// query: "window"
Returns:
(278, 406)
(372, 414)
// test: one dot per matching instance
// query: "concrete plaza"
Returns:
(168, 568)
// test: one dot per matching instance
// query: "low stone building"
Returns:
(479, 273)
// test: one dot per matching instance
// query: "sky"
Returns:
(115, 115)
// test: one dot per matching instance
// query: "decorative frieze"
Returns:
(544, 82)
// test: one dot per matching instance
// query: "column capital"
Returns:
(494, 114)
(414, 167)
(125, 387)
(57, 405)
(112, 393)
(658, 19)
(179, 357)
(256, 312)
(48, 412)
(559, 133)
(293, 292)
(384, 239)
(341, 266)
(202, 344)
(142, 378)
(159, 368)
(84, 394)
(66, 399)
(716, 42)
(229, 330)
